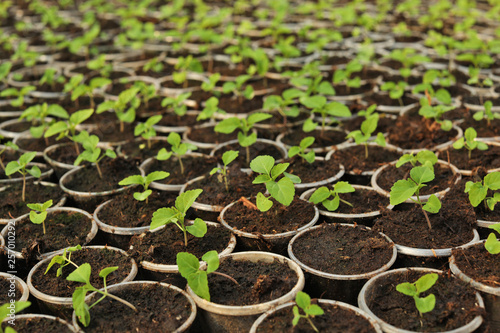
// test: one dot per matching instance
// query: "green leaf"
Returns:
(278, 169)
(294, 150)
(492, 180)
(163, 216)
(247, 140)
(296, 316)
(425, 304)
(459, 144)
(262, 164)
(187, 264)
(19, 306)
(27, 157)
(315, 310)
(492, 245)
(433, 205)
(422, 174)
(425, 282)
(81, 308)
(135, 179)
(199, 284)
(263, 203)
(228, 125)
(303, 300)
(38, 218)
(198, 229)
(404, 159)
(343, 187)
(229, 156)
(402, 190)
(56, 128)
(338, 110)
(156, 175)
(81, 274)
(293, 178)
(185, 200)
(106, 271)
(57, 111)
(212, 260)
(35, 171)
(407, 288)
(283, 191)
(333, 204)
(477, 192)
(141, 196)
(313, 102)
(12, 167)
(310, 157)
(320, 195)
(109, 153)
(174, 139)
(258, 117)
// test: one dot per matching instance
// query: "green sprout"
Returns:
(92, 153)
(478, 191)
(189, 268)
(20, 166)
(303, 302)
(424, 283)
(177, 103)
(301, 149)
(368, 126)
(146, 129)
(469, 142)
(396, 90)
(7, 145)
(319, 104)
(39, 218)
(210, 110)
(492, 244)
(322, 195)
(6, 311)
(179, 149)
(63, 260)
(144, 181)
(227, 158)
(486, 113)
(124, 106)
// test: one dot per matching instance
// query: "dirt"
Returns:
(98, 259)
(311, 172)
(139, 150)
(278, 219)
(258, 282)
(65, 154)
(32, 144)
(257, 149)
(384, 123)
(109, 131)
(232, 104)
(363, 201)
(354, 161)
(35, 325)
(208, 135)
(328, 138)
(384, 99)
(161, 247)
(173, 120)
(455, 304)
(460, 158)
(5, 287)
(482, 127)
(476, 262)
(194, 166)
(159, 310)
(335, 319)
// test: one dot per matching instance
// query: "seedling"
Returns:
(21, 166)
(245, 125)
(475, 78)
(49, 77)
(436, 112)
(183, 66)
(7, 310)
(210, 110)
(146, 129)
(478, 191)
(492, 244)
(37, 115)
(303, 302)
(127, 99)
(82, 275)
(284, 104)
(63, 260)
(300, 150)
(39, 218)
(396, 90)
(67, 129)
(282, 190)
(424, 157)
(177, 103)
(315, 84)
(227, 158)
(469, 142)
(486, 114)
(408, 58)
(368, 126)
(319, 104)
(78, 88)
(179, 149)
(7, 145)
(238, 88)
(322, 195)
(344, 75)
(19, 94)
(209, 86)
(144, 181)
(177, 215)
(92, 153)
(424, 283)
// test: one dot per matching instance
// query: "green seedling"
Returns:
(7, 310)
(37, 115)
(318, 104)
(322, 195)
(100, 65)
(179, 149)
(82, 275)
(77, 87)
(424, 283)
(345, 75)
(210, 110)
(239, 88)
(303, 302)
(423, 157)
(124, 106)
(177, 215)
(475, 78)
(492, 244)
(18, 94)
(92, 152)
(396, 90)
(176, 103)
(245, 125)
(227, 158)
(63, 260)
(6, 145)
(368, 126)
(408, 59)
(21, 166)
(315, 84)
(183, 66)
(209, 86)
(301, 150)
(469, 142)
(486, 113)
(39, 218)
(282, 190)
(436, 112)
(478, 191)
(146, 129)
(5, 68)
(144, 181)
(49, 77)
(286, 104)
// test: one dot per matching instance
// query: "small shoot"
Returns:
(424, 157)
(319, 104)
(227, 158)
(469, 142)
(396, 90)
(144, 181)
(146, 129)
(492, 244)
(124, 107)
(7, 309)
(368, 126)
(486, 113)
(301, 150)
(21, 166)
(7, 145)
(210, 110)
(478, 191)
(303, 302)
(424, 283)
(92, 153)
(197, 279)
(39, 218)
(63, 260)
(176, 103)
(179, 149)
(323, 194)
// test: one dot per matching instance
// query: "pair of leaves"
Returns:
(424, 283)
(322, 194)
(38, 218)
(144, 181)
(301, 150)
(189, 268)
(492, 245)
(303, 302)
(5, 312)
(478, 190)
(469, 141)
(20, 166)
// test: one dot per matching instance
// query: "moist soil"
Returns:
(329, 138)
(36, 325)
(460, 158)
(444, 178)
(63, 228)
(160, 309)
(194, 166)
(452, 226)
(232, 104)
(98, 259)
(162, 246)
(126, 212)
(65, 154)
(343, 250)
(455, 304)
(278, 219)
(482, 127)
(257, 149)
(5, 290)
(312, 172)
(477, 263)
(343, 90)
(173, 120)
(109, 131)
(208, 135)
(354, 161)
(258, 282)
(113, 171)
(384, 99)
(139, 151)
(363, 201)
(335, 319)
(11, 204)
(34, 144)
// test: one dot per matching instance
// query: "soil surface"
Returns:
(173, 120)
(342, 250)
(312, 172)
(479, 264)
(98, 259)
(363, 201)
(328, 138)
(194, 166)
(258, 282)
(65, 154)
(208, 135)
(257, 149)
(354, 161)
(460, 158)
(36, 325)
(455, 304)
(335, 319)
(5, 289)
(159, 310)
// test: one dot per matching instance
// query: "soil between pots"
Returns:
(312, 172)
(52, 285)
(476, 262)
(327, 139)
(488, 158)
(455, 303)
(34, 325)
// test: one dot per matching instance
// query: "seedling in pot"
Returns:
(423, 157)
(316, 85)
(39, 218)
(300, 150)
(209, 86)
(92, 152)
(144, 181)
(7, 145)
(492, 244)
(469, 142)
(319, 104)
(179, 149)
(183, 66)
(19, 94)
(124, 106)
(322, 195)
(368, 126)
(474, 78)
(436, 112)
(396, 90)
(37, 115)
(282, 190)
(478, 191)
(7, 310)
(245, 126)
(77, 88)
(63, 260)
(176, 103)
(345, 75)
(238, 88)
(227, 158)
(21, 166)
(408, 59)
(284, 104)
(146, 129)
(424, 283)
(303, 302)
(50, 78)
(210, 110)
(177, 214)
(486, 113)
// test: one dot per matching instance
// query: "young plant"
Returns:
(63, 260)
(408, 58)
(50, 78)
(183, 66)
(322, 195)
(345, 75)
(39, 218)
(238, 88)
(177, 215)
(7, 310)
(285, 104)
(227, 158)
(179, 149)
(21, 166)
(210, 110)
(18, 94)
(486, 113)
(424, 157)
(197, 279)
(424, 283)
(146, 129)
(177, 103)
(319, 104)
(37, 115)
(492, 244)
(124, 106)
(368, 126)
(303, 302)
(245, 125)
(478, 191)
(7, 145)
(396, 90)
(436, 112)
(300, 150)
(144, 181)
(469, 142)
(282, 190)
(77, 88)
(92, 153)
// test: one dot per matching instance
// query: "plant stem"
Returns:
(24, 188)
(247, 148)
(43, 224)
(425, 213)
(181, 165)
(366, 151)
(311, 323)
(116, 298)
(98, 170)
(185, 237)
(226, 276)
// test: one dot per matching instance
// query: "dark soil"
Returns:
(5, 290)
(329, 138)
(173, 120)
(98, 259)
(257, 149)
(278, 219)
(139, 150)
(194, 166)
(335, 320)
(363, 201)
(65, 154)
(460, 158)
(343, 250)
(33, 144)
(354, 161)
(483, 129)
(125, 211)
(208, 135)
(231, 104)
(160, 310)
(384, 99)
(162, 246)
(258, 282)
(311, 172)
(343, 90)
(477, 263)
(109, 131)
(12, 206)
(455, 304)
(36, 325)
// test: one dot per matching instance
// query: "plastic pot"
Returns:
(43, 317)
